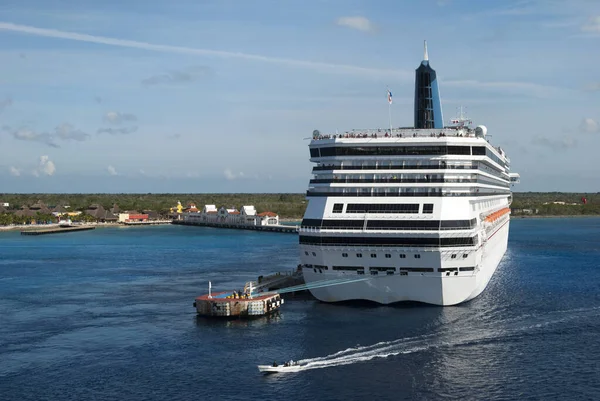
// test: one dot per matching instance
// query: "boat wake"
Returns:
(465, 336)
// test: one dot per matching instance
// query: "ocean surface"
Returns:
(107, 315)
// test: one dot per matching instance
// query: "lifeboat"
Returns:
(492, 217)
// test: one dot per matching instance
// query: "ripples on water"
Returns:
(107, 314)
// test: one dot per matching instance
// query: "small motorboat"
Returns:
(287, 367)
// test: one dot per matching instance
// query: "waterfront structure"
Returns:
(129, 217)
(210, 215)
(412, 214)
(238, 304)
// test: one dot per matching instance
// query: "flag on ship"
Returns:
(389, 94)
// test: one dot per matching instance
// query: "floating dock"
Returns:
(56, 230)
(280, 228)
(233, 304)
(222, 304)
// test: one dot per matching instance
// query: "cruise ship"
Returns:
(406, 214)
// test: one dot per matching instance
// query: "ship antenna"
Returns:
(425, 55)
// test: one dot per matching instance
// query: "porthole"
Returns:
(387, 255)
(344, 255)
(306, 253)
(453, 256)
(373, 255)
(417, 256)
(314, 254)
(359, 255)
(465, 255)
(402, 256)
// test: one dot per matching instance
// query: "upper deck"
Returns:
(457, 132)
(448, 135)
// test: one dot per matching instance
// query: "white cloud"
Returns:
(230, 175)
(592, 25)
(45, 167)
(15, 172)
(64, 131)
(115, 117)
(593, 87)
(589, 126)
(314, 65)
(178, 76)
(5, 103)
(111, 170)
(117, 131)
(359, 23)
(555, 144)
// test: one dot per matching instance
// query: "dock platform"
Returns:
(56, 230)
(280, 228)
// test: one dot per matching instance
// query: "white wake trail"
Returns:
(464, 336)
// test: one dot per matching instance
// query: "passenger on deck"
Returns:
(274, 364)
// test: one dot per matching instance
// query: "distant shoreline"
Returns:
(283, 220)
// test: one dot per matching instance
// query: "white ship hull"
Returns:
(431, 288)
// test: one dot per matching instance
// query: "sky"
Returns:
(221, 95)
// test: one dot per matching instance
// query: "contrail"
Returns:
(314, 65)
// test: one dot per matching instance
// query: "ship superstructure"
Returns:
(421, 213)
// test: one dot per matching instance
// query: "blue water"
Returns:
(107, 314)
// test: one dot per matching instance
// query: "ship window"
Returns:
(417, 256)
(459, 150)
(454, 256)
(338, 207)
(387, 255)
(314, 152)
(465, 255)
(359, 255)
(428, 208)
(314, 254)
(382, 208)
(467, 269)
(402, 256)
(306, 253)
(373, 255)
(417, 269)
(478, 150)
(374, 272)
(344, 255)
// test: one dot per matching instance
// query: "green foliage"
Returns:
(543, 202)
(39, 218)
(288, 206)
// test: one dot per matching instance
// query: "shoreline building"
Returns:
(247, 216)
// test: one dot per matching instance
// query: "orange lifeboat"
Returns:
(496, 215)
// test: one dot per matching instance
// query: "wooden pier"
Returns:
(146, 223)
(270, 228)
(56, 230)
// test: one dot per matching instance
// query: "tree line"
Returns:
(287, 205)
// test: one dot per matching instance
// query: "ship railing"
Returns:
(429, 166)
(397, 133)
